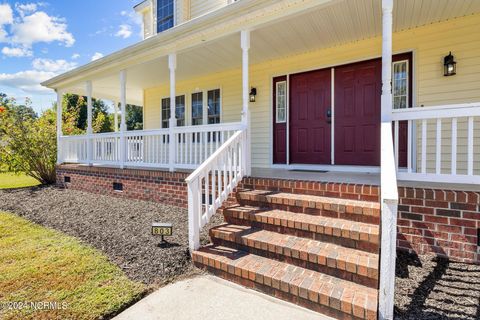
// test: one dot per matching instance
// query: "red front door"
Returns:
(310, 128)
(357, 113)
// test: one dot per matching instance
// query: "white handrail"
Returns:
(211, 183)
(436, 112)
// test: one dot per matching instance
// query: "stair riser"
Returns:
(372, 219)
(346, 242)
(330, 266)
(302, 297)
(324, 189)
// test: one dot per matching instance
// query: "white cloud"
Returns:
(25, 8)
(75, 56)
(6, 14)
(40, 27)
(6, 17)
(28, 81)
(56, 66)
(17, 52)
(125, 31)
(97, 56)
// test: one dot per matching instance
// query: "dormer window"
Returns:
(165, 14)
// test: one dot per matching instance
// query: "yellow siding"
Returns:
(200, 7)
(429, 44)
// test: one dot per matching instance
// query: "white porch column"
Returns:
(389, 210)
(245, 45)
(59, 126)
(172, 65)
(115, 115)
(387, 8)
(123, 124)
(88, 91)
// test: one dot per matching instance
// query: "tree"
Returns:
(75, 105)
(28, 144)
(134, 117)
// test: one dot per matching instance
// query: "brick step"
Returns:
(353, 191)
(354, 210)
(345, 263)
(351, 234)
(314, 290)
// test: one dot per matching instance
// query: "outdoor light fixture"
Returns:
(253, 94)
(449, 65)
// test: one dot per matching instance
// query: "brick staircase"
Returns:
(320, 252)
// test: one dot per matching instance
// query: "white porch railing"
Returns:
(211, 183)
(446, 137)
(148, 148)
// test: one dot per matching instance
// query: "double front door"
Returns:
(331, 122)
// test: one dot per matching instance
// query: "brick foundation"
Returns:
(151, 185)
(444, 222)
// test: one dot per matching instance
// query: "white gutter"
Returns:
(240, 15)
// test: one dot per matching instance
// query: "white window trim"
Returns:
(406, 61)
(188, 105)
(276, 101)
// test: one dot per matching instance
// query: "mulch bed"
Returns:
(430, 287)
(121, 228)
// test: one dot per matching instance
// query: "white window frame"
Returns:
(284, 82)
(407, 102)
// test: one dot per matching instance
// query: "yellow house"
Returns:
(361, 104)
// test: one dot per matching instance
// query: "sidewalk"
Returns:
(208, 297)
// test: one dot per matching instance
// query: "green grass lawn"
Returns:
(11, 180)
(42, 265)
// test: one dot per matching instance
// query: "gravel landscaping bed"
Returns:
(121, 228)
(428, 287)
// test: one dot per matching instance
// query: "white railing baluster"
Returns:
(397, 138)
(438, 157)
(454, 146)
(424, 146)
(409, 145)
(470, 133)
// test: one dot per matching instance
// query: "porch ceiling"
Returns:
(326, 26)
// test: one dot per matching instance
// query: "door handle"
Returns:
(329, 116)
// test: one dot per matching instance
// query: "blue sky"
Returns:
(39, 40)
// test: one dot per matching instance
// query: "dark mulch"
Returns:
(429, 287)
(121, 228)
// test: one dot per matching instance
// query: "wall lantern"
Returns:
(449, 65)
(253, 94)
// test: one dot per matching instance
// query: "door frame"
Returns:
(332, 166)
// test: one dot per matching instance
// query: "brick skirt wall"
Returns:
(444, 222)
(151, 185)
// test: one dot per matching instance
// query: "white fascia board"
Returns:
(240, 15)
(142, 6)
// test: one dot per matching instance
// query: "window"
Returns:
(165, 112)
(281, 101)
(214, 106)
(165, 18)
(179, 111)
(400, 85)
(197, 108)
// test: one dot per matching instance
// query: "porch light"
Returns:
(253, 94)
(449, 65)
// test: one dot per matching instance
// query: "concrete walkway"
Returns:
(208, 297)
